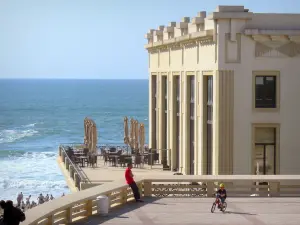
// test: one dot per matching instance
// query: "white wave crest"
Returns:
(8, 136)
(30, 125)
(32, 184)
(32, 173)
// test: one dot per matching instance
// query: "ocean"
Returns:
(38, 115)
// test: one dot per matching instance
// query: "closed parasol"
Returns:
(131, 138)
(136, 134)
(142, 137)
(94, 138)
(126, 138)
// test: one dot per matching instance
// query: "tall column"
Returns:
(158, 107)
(185, 128)
(161, 122)
(223, 122)
(150, 111)
(197, 120)
(215, 145)
(181, 128)
(171, 120)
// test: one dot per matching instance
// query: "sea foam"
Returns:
(12, 135)
(32, 173)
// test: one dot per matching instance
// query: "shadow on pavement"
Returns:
(118, 212)
(239, 213)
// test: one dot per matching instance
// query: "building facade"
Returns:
(223, 92)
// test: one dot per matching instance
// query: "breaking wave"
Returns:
(12, 135)
(32, 173)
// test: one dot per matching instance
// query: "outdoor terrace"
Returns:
(106, 164)
(188, 198)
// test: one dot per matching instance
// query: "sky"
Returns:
(94, 39)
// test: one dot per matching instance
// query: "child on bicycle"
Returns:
(222, 195)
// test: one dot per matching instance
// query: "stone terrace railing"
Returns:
(83, 204)
(76, 173)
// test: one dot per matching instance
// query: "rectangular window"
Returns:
(265, 91)
(154, 109)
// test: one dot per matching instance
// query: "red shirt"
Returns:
(128, 177)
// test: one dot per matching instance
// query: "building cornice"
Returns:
(273, 35)
(181, 40)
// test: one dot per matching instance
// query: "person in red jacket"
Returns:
(130, 181)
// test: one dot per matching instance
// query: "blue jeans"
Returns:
(222, 198)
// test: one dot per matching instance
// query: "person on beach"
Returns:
(47, 198)
(51, 197)
(19, 199)
(130, 181)
(28, 201)
(33, 204)
(41, 199)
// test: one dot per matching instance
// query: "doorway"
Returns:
(265, 151)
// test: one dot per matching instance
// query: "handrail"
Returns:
(121, 144)
(83, 204)
(83, 177)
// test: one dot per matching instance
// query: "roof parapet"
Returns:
(187, 26)
(227, 8)
(199, 19)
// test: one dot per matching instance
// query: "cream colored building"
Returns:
(223, 92)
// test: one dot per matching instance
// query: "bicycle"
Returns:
(218, 203)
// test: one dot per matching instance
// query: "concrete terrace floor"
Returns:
(196, 211)
(106, 173)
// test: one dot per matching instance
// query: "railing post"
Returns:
(147, 188)
(274, 189)
(76, 180)
(71, 169)
(67, 164)
(123, 196)
(50, 220)
(69, 215)
(109, 199)
(89, 207)
(140, 186)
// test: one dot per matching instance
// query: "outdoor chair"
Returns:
(138, 161)
(105, 157)
(119, 152)
(103, 152)
(85, 151)
(92, 160)
(75, 160)
(121, 161)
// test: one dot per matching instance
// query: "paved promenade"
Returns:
(196, 211)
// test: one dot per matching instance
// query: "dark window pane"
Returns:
(265, 92)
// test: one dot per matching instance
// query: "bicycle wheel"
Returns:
(213, 207)
(224, 207)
